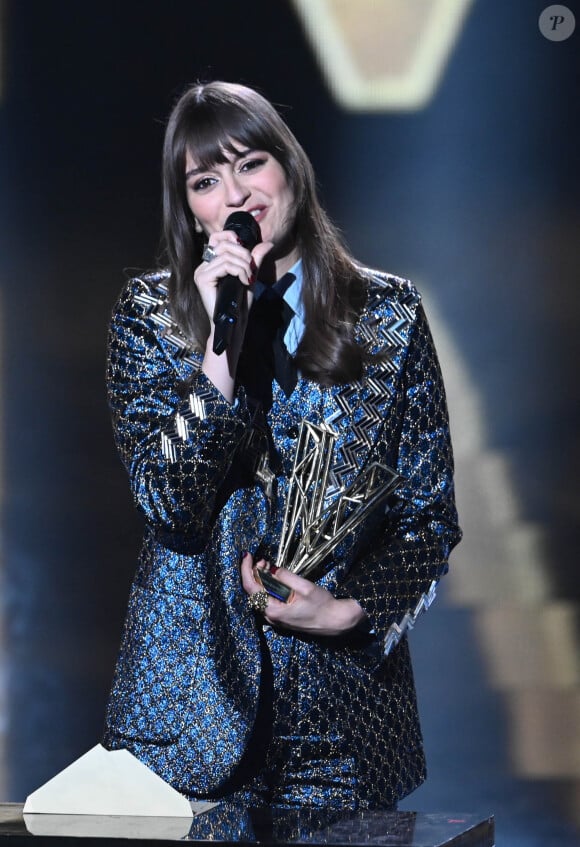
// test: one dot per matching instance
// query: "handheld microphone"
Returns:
(230, 291)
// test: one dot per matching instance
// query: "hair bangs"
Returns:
(214, 133)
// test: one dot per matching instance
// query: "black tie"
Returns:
(284, 367)
(277, 314)
(264, 348)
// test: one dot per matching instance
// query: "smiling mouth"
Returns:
(255, 213)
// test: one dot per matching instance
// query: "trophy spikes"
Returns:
(310, 532)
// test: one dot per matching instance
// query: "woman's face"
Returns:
(251, 181)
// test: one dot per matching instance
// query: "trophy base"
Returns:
(273, 586)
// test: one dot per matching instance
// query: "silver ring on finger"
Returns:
(208, 254)
(258, 601)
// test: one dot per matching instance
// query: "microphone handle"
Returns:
(230, 292)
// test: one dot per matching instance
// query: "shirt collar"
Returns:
(289, 287)
(293, 292)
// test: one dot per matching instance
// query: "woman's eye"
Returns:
(204, 182)
(252, 164)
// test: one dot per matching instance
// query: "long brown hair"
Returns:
(209, 120)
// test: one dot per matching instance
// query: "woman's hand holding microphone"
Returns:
(226, 256)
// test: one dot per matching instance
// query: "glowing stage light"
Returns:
(382, 54)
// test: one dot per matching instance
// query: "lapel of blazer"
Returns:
(356, 411)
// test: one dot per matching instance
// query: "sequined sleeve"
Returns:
(394, 580)
(176, 450)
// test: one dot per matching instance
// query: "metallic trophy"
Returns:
(316, 519)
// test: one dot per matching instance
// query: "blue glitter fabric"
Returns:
(196, 668)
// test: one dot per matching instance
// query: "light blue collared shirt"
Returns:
(290, 289)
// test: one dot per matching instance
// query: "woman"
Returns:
(222, 689)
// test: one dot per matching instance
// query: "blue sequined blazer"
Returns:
(187, 681)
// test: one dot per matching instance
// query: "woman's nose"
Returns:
(236, 193)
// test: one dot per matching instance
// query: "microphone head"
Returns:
(246, 228)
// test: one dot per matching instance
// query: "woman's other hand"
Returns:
(311, 608)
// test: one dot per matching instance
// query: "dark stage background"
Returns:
(475, 196)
